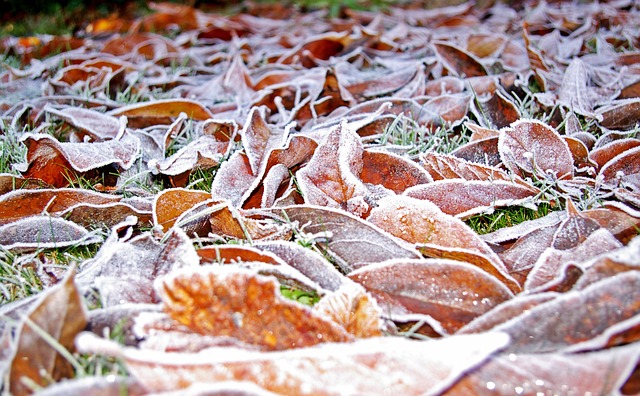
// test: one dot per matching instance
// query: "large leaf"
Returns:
(54, 321)
(420, 367)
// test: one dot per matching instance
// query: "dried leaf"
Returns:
(437, 234)
(170, 204)
(351, 241)
(54, 162)
(354, 309)
(60, 313)
(600, 372)
(42, 232)
(623, 169)
(332, 368)
(331, 178)
(463, 198)
(571, 322)
(227, 301)
(391, 171)
(533, 147)
(451, 292)
(161, 112)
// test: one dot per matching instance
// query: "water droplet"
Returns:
(519, 390)
(513, 357)
(491, 385)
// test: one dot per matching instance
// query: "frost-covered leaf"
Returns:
(98, 126)
(54, 162)
(161, 112)
(623, 169)
(228, 301)
(437, 234)
(351, 241)
(58, 313)
(332, 176)
(354, 309)
(533, 147)
(42, 232)
(599, 372)
(577, 319)
(451, 292)
(331, 368)
(307, 261)
(391, 171)
(258, 139)
(170, 204)
(464, 198)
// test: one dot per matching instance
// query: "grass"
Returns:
(18, 276)
(405, 134)
(506, 217)
(301, 296)
(12, 150)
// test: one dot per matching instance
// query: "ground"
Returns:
(289, 200)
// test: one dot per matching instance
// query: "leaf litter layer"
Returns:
(283, 202)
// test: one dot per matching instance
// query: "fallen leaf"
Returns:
(227, 301)
(452, 292)
(391, 171)
(44, 232)
(60, 314)
(331, 178)
(437, 234)
(597, 372)
(534, 148)
(354, 309)
(570, 321)
(333, 368)
(351, 241)
(464, 198)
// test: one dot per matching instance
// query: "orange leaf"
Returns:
(228, 301)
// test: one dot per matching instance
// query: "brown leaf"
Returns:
(570, 322)
(621, 114)
(443, 166)
(61, 314)
(227, 301)
(623, 169)
(606, 153)
(598, 373)
(391, 171)
(451, 292)
(98, 126)
(437, 234)
(331, 178)
(535, 148)
(161, 112)
(330, 369)
(550, 265)
(311, 264)
(497, 111)
(42, 232)
(124, 269)
(170, 204)
(54, 162)
(351, 241)
(463, 198)
(460, 61)
(23, 203)
(259, 139)
(506, 311)
(483, 151)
